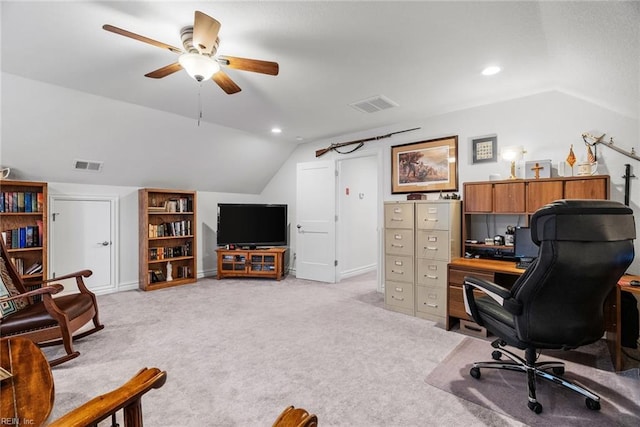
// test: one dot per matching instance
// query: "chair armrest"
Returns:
(495, 291)
(78, 275)
(127, 396)
(498, 293)
(49, 289)
(83, 273)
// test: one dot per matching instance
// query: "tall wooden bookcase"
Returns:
(23, 223)
(167, 238)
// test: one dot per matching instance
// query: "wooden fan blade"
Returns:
(205, 33)
(227, 85)
(254, 65)
(138, 37)
(164, 71)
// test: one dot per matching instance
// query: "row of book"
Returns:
(157, 253)
(24, 237)
(34, 268)
(170, 229)
(181, 205)
(21, 201)
(156, 276)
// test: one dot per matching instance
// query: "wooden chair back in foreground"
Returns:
(35, 314)
(127, 397)
(296, 417)
(27, 395)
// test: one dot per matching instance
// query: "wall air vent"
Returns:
(87, 165)
(374, 104)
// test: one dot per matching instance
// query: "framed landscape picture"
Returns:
(425, 166)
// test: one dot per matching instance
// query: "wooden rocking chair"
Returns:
(38, 316)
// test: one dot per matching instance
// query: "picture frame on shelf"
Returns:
(484, 150)
(425, 166)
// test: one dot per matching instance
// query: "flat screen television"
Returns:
(252, 225)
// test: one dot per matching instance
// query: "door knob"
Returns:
(105, 243)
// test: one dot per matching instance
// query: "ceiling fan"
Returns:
(199, 56)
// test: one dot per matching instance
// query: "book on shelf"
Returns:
(34, 268)
(21, 201)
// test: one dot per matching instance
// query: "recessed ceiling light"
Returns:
(276, 130)
(490, 71)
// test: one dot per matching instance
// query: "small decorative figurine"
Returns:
(536, 169)
(169, 272)
(571, 159)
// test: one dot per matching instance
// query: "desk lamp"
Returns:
(512, 154)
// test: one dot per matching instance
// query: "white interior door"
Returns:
(82, 234)
(316, 221)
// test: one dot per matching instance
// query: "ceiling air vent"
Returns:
(373, 104)
(87, 165)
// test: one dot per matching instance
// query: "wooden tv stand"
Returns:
(267, 263)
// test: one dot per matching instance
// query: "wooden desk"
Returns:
(613, 315)
(27, 397)
(505, 273)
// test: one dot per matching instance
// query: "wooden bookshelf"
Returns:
(167, 237)
(23, 223)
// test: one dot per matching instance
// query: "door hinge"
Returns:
(336, 218)
(335, 262)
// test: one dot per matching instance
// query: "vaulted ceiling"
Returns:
(425, 56)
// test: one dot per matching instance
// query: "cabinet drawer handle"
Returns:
(397, 272)
(395, 245)
(431, 305)
(431, 248)
(397, 219)
(429, 276)
(431, 219)
(398, 298)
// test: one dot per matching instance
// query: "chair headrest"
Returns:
(583, 220)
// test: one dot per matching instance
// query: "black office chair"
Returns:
(585, 246)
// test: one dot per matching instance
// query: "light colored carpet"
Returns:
(237, 352)
(506, 391)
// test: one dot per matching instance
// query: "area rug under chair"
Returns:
(506, 391)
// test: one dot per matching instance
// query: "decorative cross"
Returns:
(537, 168)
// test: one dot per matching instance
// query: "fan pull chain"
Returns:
(199, 104)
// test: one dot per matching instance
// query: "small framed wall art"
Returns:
(485, 149)
(425, 166)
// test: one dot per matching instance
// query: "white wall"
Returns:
(357, 219)
(545, 124)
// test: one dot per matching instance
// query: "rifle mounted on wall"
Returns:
(359, 142)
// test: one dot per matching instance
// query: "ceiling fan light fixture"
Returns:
(199, 67)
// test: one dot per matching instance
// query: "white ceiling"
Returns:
(426, 56)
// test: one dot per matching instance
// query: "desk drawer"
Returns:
(456, 302)
(399, 268)
(433, 244)
(431, 300)
(399, 294)
(432, 273)
(457, 276)
(398, 242)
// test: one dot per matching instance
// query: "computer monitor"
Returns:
(524, 248)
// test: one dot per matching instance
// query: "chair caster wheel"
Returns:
(496, 355)
(535, 407)
(558, 370)
(475, 373)
(594, 405)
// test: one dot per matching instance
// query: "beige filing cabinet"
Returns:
(421, 237)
